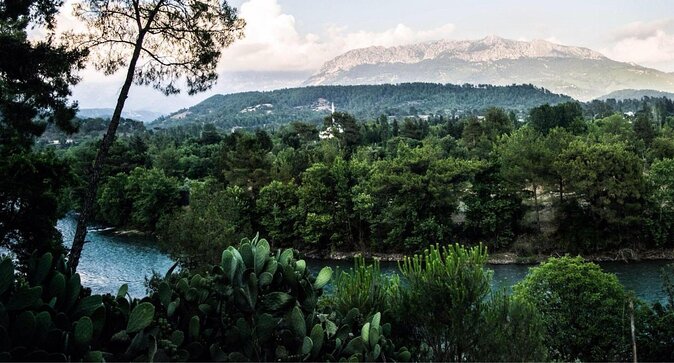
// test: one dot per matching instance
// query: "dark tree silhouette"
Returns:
(35, 80)
(162, 43)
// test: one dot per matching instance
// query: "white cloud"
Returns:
(647, 43)
(272, 41)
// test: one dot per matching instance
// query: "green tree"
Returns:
(345, 128)
(445, 305)
(608, 189)
(244, 160)
(644, 128)
(413, 196)
(660, 180)
(497, 122)
(278, 208)
(35, 79)
(325, 204)
(583, 310)
(215, 218)
(493, 210)
(160, 42)
(568, 115)
(30, 185)
(524, 161)
(139, 199)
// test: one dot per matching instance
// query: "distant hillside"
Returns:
(636, 94)
(140, 115)
(579, 72)
(312, 104)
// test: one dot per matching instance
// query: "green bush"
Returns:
(364, 287)
(584, 309)
(253, 306)
(446, 311)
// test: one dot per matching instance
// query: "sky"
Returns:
(287, 40)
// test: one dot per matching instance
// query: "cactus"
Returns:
(83, 332)
(141, 317)
(254, 305)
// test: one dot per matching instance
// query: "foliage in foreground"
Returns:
(442, 307)
(585, 310)
(254, 305)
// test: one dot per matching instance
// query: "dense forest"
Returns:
(311, 104)
(559, 182)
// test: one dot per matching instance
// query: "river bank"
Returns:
(512, 258)
(495, 258)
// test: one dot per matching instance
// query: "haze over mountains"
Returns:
(578, 72)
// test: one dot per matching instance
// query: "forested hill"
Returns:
(312, 104)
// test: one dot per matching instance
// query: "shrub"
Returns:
(364, 287)
(584, 309)
(445, 306)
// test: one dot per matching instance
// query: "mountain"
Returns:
(636, 94)
(139, 115)
(579, 72)
(312, 104)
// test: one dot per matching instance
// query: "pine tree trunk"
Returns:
(101, 157)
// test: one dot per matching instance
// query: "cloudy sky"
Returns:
(287, 40)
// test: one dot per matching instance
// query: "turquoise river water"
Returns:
(108, 261)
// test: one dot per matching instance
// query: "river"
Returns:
(108, 261)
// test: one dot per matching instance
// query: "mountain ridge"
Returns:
(580, 72)
(312, 104)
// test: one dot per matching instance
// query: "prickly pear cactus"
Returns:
(256, 305)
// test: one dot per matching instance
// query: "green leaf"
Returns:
(265, 279)
(6, 274)
(354, 346)
(84, 330)
(317, 335)
(286, 256)
(376, 320)
(57, 286)
(376, 351)
(307, 344)
(171, 309)
(248, 255)
(73, 287)
(323, 277)
(261, 255)
(297, 323)
(330, 328)
(365, 332)
(141, 317)
(43, 322)
(265, 326)
(300, 266)
(229, 264)
(94, 356)
(42, 268)
(373, 337)
(121, 293)
(24, 298)
(194, 327)
(88, 305)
